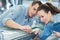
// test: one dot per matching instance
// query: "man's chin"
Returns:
(30, 16)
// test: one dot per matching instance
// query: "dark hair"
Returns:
(36, 2)
(48, 7)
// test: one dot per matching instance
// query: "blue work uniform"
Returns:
(48, 30)
(18, 14)
(57, 20)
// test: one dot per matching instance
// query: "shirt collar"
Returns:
(26, 15)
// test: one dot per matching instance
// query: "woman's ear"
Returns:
(49, 13)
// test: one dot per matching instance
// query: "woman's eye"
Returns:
(34, 9)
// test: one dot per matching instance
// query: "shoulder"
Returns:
(57, 18)
(18, 7)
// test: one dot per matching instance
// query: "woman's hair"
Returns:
(49, 7)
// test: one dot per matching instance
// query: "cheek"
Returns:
(33, 12)
(45, 19)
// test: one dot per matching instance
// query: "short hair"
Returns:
(36, 2)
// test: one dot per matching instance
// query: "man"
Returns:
(19, 17)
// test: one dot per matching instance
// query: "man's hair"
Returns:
(36, 2)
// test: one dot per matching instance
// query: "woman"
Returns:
(50, 15)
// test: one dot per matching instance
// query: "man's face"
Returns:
(33, 9)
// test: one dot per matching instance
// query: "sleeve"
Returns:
(46, 32)
(12, 13)
(56, 27)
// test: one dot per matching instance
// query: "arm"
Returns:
(56, 29)
(10, 23)
(10, 15)
(57, 34)
(46, 32)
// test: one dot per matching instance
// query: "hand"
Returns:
(27, 28)
(57, 34)
(36, 31)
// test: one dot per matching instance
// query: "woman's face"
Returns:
(45, 17)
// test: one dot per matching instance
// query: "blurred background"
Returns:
(6, 4)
